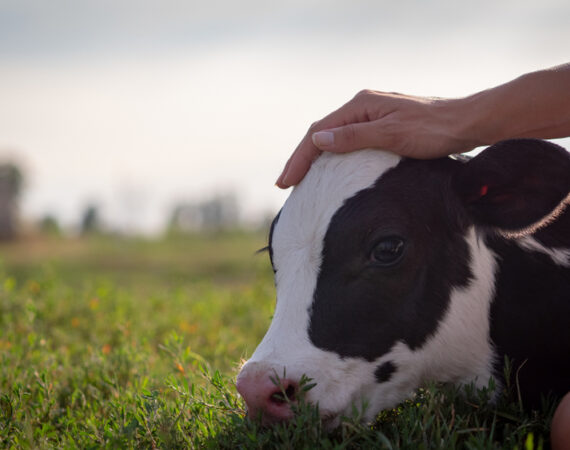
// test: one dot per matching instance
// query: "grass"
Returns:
(112, 343)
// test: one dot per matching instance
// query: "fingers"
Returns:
(298, 165)
(348, 138)
(351, 127)
(307, 151)
(339, 140)
(342, 139)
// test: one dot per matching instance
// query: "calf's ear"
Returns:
(514, 184)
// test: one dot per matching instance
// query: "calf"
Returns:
(391, 272)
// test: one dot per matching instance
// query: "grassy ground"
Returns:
(132, 344)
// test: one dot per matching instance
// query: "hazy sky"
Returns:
(136, 105)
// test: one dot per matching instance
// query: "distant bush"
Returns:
(49, 225)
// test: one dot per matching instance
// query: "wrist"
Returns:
(465, 122)
(481, 119)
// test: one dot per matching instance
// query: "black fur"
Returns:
(530, 321)
(361, 308)
(384, 372)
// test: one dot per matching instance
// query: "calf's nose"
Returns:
(266, 396)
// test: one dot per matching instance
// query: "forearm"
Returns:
(534, 105)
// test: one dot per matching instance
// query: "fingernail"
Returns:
(280, 183)
(323, 138)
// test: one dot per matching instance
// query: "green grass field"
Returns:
(118, 343)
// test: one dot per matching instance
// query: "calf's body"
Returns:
(392, 272)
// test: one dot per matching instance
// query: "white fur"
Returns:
(459, 351)
(297, 248)
(560, 256)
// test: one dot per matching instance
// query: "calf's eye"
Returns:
(388, 251)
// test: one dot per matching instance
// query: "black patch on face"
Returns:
(384, 372)
(362, 308)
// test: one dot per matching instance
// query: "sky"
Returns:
(136, 106)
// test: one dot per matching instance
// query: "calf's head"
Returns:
(382, 280)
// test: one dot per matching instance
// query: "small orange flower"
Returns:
(94, 303)
(106, 349)
(186, 327)
(180, 368)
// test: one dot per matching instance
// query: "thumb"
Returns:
(354, 136)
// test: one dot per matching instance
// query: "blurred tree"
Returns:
(11, 181)
(219, 213)
(185, 217)
(49, 225)
(90, 222)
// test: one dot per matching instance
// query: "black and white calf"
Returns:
(391, 272)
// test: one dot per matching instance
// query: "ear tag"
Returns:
(484, 190)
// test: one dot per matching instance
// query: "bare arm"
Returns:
(534, 105)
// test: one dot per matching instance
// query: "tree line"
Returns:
(216, 213)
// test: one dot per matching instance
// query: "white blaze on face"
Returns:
(297, 248)
(458, 351)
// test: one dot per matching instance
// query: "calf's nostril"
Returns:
(284, 394)
(267, 397)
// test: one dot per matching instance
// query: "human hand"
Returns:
(416, 127)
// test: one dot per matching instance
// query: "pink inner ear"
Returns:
(484, 190)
